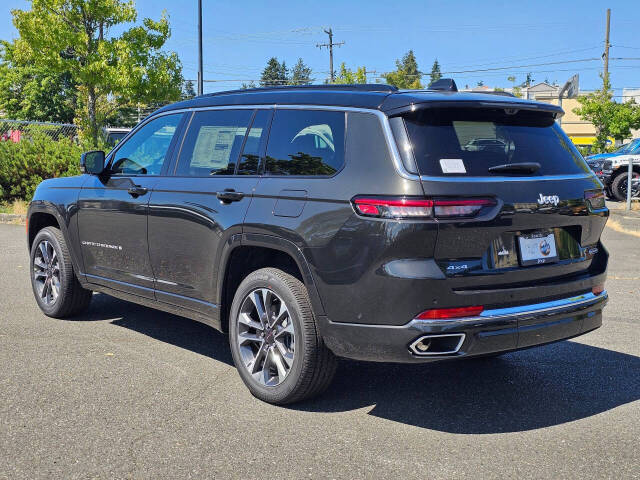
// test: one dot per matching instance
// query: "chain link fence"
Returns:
(16, 130)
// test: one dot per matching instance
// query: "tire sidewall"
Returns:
(264, 279)
(616, 183)
(54, 308)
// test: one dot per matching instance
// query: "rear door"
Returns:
(539, 210)
(112, 217)
(202, 203)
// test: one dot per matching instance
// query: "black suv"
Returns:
(316, 222)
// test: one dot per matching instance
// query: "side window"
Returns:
(213, 142)
(145, 152)
(257, 135)
(306, 142)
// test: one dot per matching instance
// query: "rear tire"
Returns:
(54, 283)
(274, 341)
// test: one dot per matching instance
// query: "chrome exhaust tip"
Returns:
(444, 344)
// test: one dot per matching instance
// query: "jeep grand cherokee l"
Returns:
(311, 223)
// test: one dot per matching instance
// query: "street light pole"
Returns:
(200, 80)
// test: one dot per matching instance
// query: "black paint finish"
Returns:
(165, 241)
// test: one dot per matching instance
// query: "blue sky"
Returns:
(239, 37)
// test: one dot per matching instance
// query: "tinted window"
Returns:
(251, 152)
(469, 141)
(213, 143)
(145, 151)
(306, 142)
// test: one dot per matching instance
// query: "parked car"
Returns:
(310, 223)
(612, 168)
(114, 134)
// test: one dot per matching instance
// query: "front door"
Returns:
(195, 212)
(113, 207)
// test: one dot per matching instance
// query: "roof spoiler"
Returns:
(444, 84)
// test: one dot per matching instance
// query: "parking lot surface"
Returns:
(129, 392)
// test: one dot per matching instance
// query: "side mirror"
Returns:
(92, 162)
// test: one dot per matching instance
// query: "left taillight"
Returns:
(408, 207)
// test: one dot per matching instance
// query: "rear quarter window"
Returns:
(473, 140)
(306, 143)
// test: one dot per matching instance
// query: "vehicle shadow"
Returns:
(179, 331)
(520, 391)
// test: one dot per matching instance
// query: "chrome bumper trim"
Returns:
(531, 310)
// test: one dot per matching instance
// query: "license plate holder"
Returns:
(537, 248)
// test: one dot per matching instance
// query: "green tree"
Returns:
(110, 71)
(28, 92)
(528, 80)
(435, 74)
(251, 84)
(274, 74)
(301, 74)
(407, 74)
(610, 118)
(189, 90)
(346, 75)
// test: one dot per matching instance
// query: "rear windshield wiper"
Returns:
(524, 167)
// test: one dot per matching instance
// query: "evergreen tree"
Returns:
(407, 74)
(301, 74)
(435, 72)
(188, 91)
(274, 74)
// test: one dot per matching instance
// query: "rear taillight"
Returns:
(393, 207)
(597, 289)
(595, 198)
(408, 207)
(446, 313)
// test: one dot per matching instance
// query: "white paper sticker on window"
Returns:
(452, 165)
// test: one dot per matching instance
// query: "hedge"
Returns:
(24, 164)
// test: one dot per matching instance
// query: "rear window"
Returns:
(467, 142)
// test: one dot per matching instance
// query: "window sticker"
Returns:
(452, 165)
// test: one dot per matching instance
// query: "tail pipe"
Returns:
(444, 344)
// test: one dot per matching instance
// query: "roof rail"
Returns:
(362, 87)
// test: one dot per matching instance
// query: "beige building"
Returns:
(581, 132)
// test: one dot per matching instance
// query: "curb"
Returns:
(13, 218)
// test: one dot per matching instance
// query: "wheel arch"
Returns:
(43, 214)
(253, 251)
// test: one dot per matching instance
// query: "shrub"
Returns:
(23, 165)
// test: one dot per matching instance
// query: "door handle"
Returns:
(229, 195)
(137, 190)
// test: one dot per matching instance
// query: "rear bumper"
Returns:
(493, 331)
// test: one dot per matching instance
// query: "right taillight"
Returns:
(408, 207)
(595, 198)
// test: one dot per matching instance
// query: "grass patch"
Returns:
(17, 207)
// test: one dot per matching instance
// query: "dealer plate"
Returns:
(537, 248)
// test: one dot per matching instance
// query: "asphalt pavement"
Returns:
(129, 392)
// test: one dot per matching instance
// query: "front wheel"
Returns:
(274, 341)
(54, 283)
(619, 185)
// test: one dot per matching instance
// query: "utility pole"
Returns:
(605, 56)
(330, 46)
(200, 78)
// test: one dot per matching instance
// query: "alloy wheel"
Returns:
(266, 337)
(46, 272)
